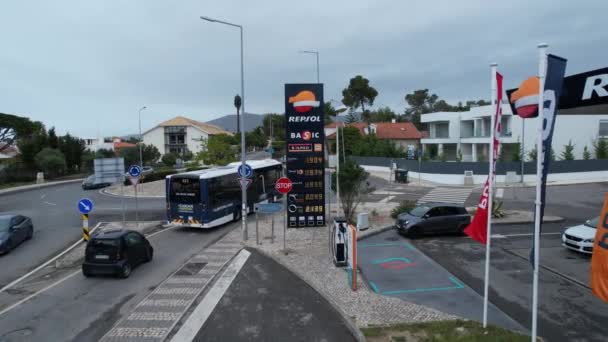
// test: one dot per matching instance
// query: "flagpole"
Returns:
(490, 189)
(542, 66)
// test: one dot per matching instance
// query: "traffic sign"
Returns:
(247, 173)
(85, 205)
(245, 182)
(134, 171)
(267, 208)
(283, 185)
(134, 180)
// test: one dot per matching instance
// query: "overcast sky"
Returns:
(88, 66)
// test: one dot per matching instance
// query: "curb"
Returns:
(375, 232)
(37, 186)
(552, 220)
(352, 326)
(107, 193)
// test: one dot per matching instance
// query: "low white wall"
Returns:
(452, 179)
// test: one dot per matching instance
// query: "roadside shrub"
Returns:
(51, 161)
(404, 206)
(169, 159)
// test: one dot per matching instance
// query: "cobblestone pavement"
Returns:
(156, 315)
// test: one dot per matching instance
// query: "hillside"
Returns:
(228, 122)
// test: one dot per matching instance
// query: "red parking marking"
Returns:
(396, 265)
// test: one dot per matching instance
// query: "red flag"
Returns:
(599, 260)
(478, 229)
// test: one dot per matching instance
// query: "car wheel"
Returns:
(414, 233)
(86, 273)
(461, 229)
(149, 255)
(125, 272)
(30, 234)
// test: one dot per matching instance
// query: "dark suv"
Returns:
(116, 252)
(433, 218)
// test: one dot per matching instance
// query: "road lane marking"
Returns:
(60, 280)
(201, 313)
(39, 292)
(386, 199)
(504, 236)
(18, 280)
(49, 203)
(43, 196)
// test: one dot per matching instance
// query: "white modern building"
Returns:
(468, 133)
(180, 134)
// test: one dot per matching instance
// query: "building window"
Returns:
(603, 128)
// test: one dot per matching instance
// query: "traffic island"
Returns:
(307, 254)
(517, 217)
(457, 330)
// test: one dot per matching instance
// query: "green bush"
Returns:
(51, 161)
(404, 206)
(169, 159)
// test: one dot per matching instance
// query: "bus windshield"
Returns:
(185, 190)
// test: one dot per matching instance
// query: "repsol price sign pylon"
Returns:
(305, 157)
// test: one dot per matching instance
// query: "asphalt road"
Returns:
(83, 309)
(57, 222)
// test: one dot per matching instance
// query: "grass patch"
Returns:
(458, 331)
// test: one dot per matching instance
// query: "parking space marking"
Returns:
(405, 244)
(386, 199)
(382, 261)
(457, 286)
(503, 236)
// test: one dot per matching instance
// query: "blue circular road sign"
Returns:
(134, 171)
(247, 173)
(85, 205)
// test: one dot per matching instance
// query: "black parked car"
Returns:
(433, 218)
(91, 183)
(14, 229)
(116, 252)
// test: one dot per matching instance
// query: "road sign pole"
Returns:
(124, 209)
(136, 208)
(85, 227)
(272, 233)
(257, 231)
(285, 225)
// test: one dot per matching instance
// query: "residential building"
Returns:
(401, 134)
(8, 152)
(180, 134)
(468, 133)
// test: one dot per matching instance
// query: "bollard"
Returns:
(85, 227)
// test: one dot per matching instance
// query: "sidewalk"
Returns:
(268, 302)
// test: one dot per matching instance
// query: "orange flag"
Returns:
(599, 260)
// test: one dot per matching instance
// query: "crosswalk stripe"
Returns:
(449, 195)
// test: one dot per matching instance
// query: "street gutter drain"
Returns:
(191, 268)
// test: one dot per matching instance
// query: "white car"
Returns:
(580, 238)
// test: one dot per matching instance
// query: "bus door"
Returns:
(186, 206)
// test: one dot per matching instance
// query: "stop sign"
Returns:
(283, 185)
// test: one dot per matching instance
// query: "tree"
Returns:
(13, 127)
(31, 144)
(237, 105)
(218, 150)
(353, 187)
(586, 153)
(73, 150)
(169, 159)
(351, 117)
(278, 126)
(53, 140)
(104, 153)
(359, 93)
(349, 137)
(568, 152)
(51, 161)
(150, 154)
(516, 152)
(420, 102)
(256, 138)
(330, 112)
(130, 155)
(384, 114)
(533, 154)
(601, 148)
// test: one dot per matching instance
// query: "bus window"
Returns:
(224, 190)
(185, 190)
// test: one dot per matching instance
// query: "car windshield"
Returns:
(5, 222)
(592, 222)
(419, 211)
(104, 244)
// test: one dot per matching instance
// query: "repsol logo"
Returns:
(312, 118)
(595, 84)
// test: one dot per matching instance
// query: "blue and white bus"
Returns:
(212, 197)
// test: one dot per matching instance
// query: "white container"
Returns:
(39, 178)
(362, 221)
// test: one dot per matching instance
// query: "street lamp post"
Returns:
(243, 154)
(141, 141)
(317, 54)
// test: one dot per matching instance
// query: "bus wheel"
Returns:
(237, 215)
